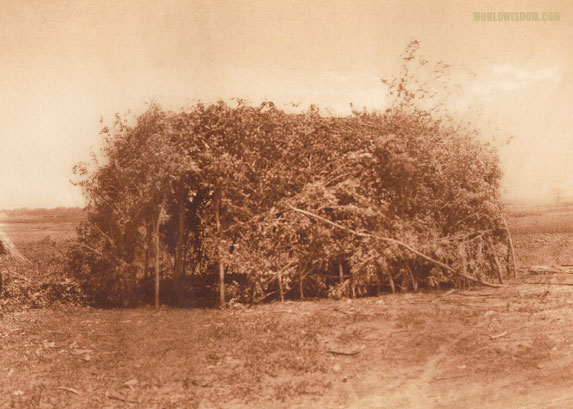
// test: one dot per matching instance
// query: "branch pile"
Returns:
(252, 204)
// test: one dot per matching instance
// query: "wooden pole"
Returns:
(511, 250)
(157, 254)
(180, 234)
(462, 251)
(392, 285)
(281, 292)
(412, 278)
(494, 255)
(220, 250)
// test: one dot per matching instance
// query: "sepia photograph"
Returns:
(213, 204)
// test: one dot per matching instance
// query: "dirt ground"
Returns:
(494, 348)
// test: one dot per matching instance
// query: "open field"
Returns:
(542, 220)
(542, 236)
(495, 348)
(30, 226)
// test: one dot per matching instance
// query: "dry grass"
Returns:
(542, 221)
(543, 236)
(27, 228)
(288, 355)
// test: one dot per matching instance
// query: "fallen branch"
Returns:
(553, 269)
(444, 378)
(503, 334)
(351, 312)
(352, 353)
(119, 398)
(562, 269)
(399, 243)
(64, 388)
(539, 283)
(478, 294)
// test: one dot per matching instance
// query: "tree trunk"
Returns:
(156, 253)
(220, 250)
(180, 234)
(340, 272)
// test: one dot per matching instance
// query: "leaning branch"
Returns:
(99, 253)
(397, 242)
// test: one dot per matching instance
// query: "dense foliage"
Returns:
(249, 192)
(253, 203)
(38, 280)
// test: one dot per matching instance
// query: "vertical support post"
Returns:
(219, 249)
(281, 292)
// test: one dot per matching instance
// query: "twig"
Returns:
(307, 213)
(536, 283)
(478, 294)
(99, 253)
(345, 312)
(503, 334)
(444, 378)
(64, 388)
(352, 353)
(399, 243)
(115, 397)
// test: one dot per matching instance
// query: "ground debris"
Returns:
(548, 269)
(119, 398)
(503, 334)
(344, 353)
(445, 378)
(131, 383)
(65, 388)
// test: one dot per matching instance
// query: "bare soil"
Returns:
(494, 348)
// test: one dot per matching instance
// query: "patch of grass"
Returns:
(549, 222)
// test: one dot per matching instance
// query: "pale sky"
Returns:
(64, 64)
